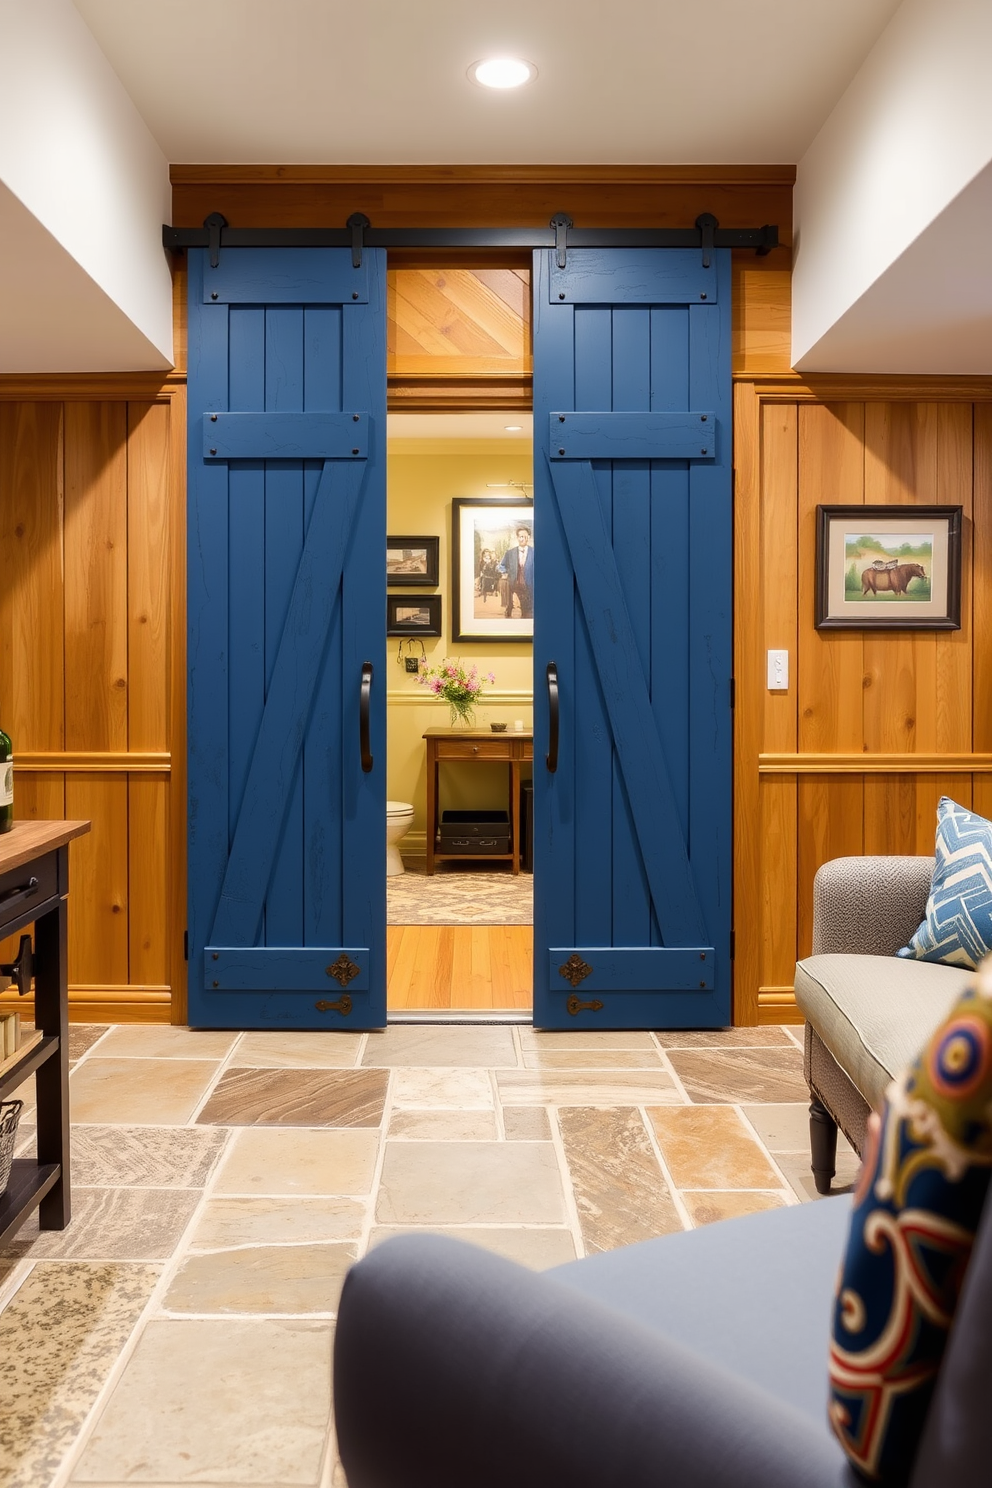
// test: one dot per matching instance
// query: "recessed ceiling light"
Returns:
(502, 72)
(513, 428)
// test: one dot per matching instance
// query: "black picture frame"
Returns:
(477, 522)
(888, 598)
(426, 573)
(399, 624)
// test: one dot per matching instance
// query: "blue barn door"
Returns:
(286, 618)
(632, 639)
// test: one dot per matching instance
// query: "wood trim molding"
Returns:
(101, 761)
(874, 764)
(89, 387)
(440, 175)
(424, 394)
(776, 996)
(856, 387)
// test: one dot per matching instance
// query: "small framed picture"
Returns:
(888, 567)
(413, 614)
(492, 569)
(412, 562)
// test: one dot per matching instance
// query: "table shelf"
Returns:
(29, 1182)
(476, 746)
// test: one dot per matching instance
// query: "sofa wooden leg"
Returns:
(822, 1145)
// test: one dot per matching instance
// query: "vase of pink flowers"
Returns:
(460, 687)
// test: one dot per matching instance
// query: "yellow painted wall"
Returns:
(424, 476)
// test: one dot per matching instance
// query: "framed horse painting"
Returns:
(888, 567)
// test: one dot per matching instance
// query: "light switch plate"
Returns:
(778, 671)
(412, 664)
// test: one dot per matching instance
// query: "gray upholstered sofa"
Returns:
(867, 1011)
(696, 1360)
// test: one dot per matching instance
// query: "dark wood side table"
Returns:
(34, 883)
(515, 748)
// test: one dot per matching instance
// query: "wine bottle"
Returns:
(6, 783)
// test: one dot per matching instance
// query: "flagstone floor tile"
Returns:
(445, 1126)
(288, 1160)
(458, 1089)
(594, 1059)
(297, 1097)
(620, 1191)
(707, 1208)
(132, 1092)
(418, 1045)
(785, 1128)
(113, 1224)
(771, 1037)
(290, 1050)
(265, 1278)
(60, 1336)
(145, 1156)
(526, 1124)
(234, 1401)
(151, 1041)
(536, 1246)
(587, 1087)
(741, 1075)
(711, 1147)
(441, 1183)
(224, 1223)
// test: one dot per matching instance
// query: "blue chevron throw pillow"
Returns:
(958, 925)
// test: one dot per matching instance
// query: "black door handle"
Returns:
(551, 759)
(364, 716)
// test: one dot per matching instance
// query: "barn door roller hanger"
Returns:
(561, 234)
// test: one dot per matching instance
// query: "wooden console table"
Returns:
(34, 883)
(515, 748)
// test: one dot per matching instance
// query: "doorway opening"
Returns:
(459, 875)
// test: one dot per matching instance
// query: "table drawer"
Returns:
(16, 894)
(487, 749)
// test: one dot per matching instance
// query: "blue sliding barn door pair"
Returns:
(287, 532)
(632, 440)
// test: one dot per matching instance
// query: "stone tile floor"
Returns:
(180, 1330)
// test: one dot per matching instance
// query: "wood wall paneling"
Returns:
(885, 722)
(92, 661)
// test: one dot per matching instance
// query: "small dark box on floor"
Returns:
(475, 832)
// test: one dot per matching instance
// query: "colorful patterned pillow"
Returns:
(958, 925)
(917, 1205)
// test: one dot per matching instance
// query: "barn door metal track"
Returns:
(561, 234)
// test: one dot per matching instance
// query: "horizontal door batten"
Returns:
(632, 436)
(632, 968)
(285, 436)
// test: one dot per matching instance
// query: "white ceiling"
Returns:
(384, 81)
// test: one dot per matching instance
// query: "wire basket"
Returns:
(10, 1115)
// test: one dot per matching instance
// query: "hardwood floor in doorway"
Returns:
(459, 966)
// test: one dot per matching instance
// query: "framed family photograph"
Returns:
(413, 614)
(888, 567)
(492, 569)
(412, 562)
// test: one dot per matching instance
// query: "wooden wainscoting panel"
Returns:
(748, 712)
(31, 598)
(98, 942)
(831, 825)
(149, 571)
(982, 586)
(779, 928)
(830, 663)
(149, 867)
(96, 563)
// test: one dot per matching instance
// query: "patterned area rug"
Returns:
(469, 895)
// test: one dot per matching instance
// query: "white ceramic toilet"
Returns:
(399, 820)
